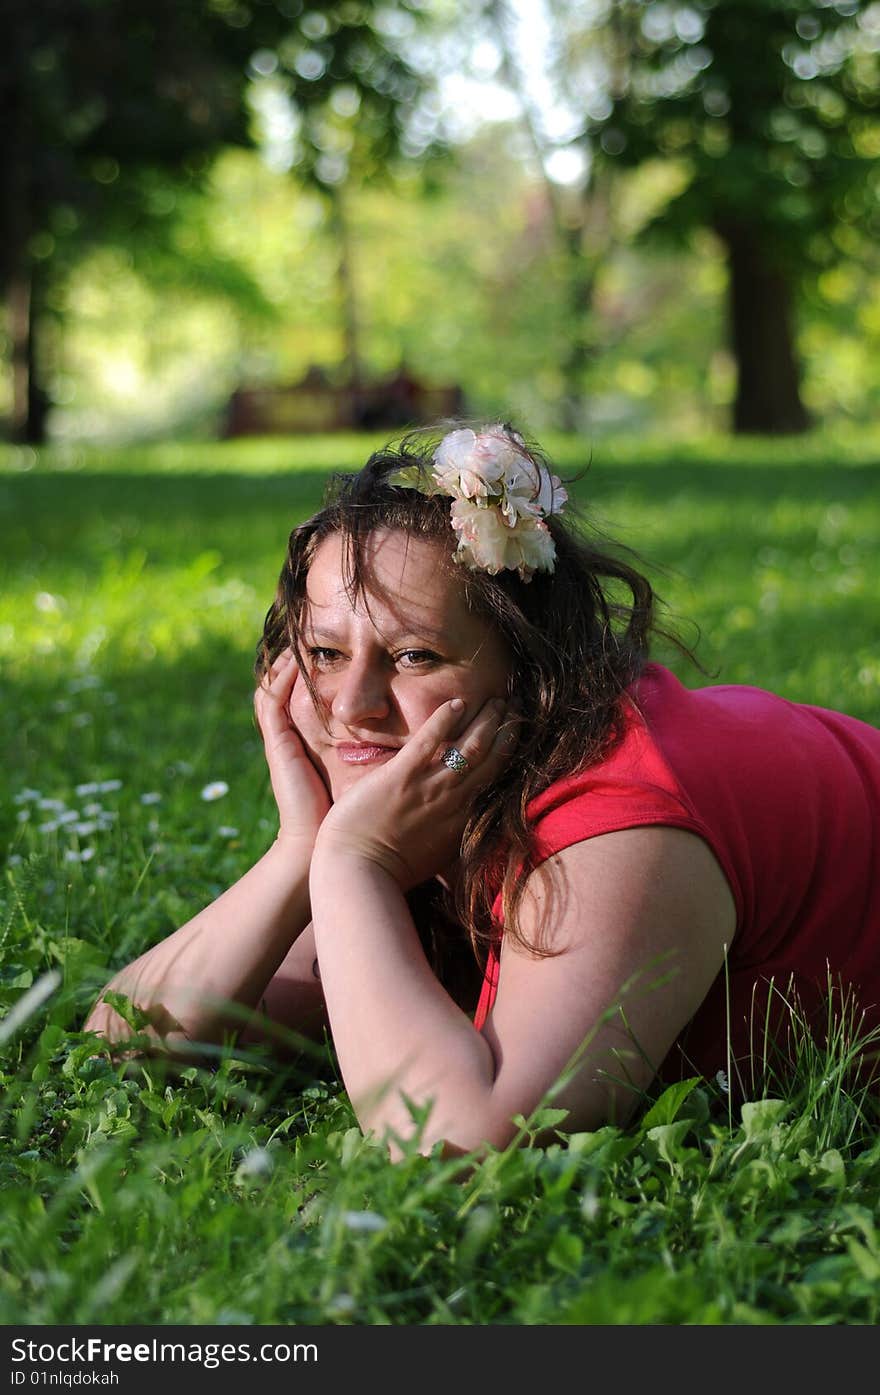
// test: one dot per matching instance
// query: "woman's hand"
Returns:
(408, 816)
(300, 792)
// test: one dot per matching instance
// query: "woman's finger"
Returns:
(280, 671)
(444, 728)
(501, 748)
(443, 724)
(478, 737)
(486, 747)
(281, 659)
(273, 694)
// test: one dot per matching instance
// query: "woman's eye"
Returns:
(321, 657)
(417, 658)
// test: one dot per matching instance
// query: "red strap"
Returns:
(489, 989)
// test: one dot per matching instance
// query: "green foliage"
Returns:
(767, 109)
(772, 105)
(88, 113)
(241, 1190)
(114, 113)
(243, 1195)
(162, 277)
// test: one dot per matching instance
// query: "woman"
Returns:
(464, 733)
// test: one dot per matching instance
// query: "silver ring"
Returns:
(454, 760)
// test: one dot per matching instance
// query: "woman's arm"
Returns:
(642, 920)
(648, 907)
(231, 951)
(292, 1006)
(228, 953)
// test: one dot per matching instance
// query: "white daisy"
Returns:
(215, 790)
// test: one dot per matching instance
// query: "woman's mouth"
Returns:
(362, 753)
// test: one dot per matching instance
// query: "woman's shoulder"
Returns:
(631, 784)
(631, 751)
(720, 760)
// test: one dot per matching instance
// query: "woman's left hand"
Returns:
(408, 817)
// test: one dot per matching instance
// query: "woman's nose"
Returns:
(361, 692)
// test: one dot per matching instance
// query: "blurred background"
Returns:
(229, 217)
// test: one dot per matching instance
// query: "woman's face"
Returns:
(380, 675)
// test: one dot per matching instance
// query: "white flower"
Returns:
(14, 860)
(486, 541)
(363, 1220)
(454, 450)
(466, 466)
(342, 1303)
(82, 830)
(69, 816)
(531, 491)
(49, 827)
(722, 1082)
(71, 855)
(255, 1166)
(215, 790)
(500, 498)
(531, 548)
(51, 804)
(151, 797)
(92, 809)
(45, 601)
(23, 815)
(25, 796)
(105, 786)
(90, 787)
(226, 831)
(494, 459)
(482, 536)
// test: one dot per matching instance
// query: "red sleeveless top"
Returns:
(787, 796)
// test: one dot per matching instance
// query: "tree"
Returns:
(99, 99)
(580, 216)
(773, 109)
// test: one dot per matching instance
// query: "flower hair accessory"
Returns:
(500, 498)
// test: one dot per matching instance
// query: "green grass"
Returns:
(134, 586)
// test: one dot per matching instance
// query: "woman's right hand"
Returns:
(300, 792)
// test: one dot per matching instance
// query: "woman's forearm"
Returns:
(397, 1032)
(226, 954)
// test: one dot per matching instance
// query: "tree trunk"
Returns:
(17, 271)
(761, 330)
(19, 306)
(30, 403)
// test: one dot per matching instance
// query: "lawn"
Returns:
(133, 792)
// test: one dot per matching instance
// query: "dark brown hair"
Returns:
(577, 638)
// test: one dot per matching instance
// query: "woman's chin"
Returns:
(345, 771)
(342, 779)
